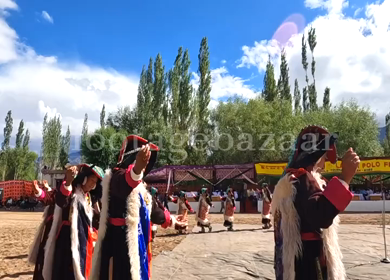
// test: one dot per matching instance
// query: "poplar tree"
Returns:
(270, 91)
(204, 89)
(326, 102)
(103, 116)
(285, 91)
(297, 98)
(158, 88)
(312, 89)
(142, 88)
(7, 131)
(26, 139)
(185, 95)
(19, 135)
(65, 149)
(174, 88)
(6, 142)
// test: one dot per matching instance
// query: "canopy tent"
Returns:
(213, 175)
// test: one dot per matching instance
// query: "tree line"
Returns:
(17, 162)
(173, 111)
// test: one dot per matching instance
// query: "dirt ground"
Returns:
(17, 230)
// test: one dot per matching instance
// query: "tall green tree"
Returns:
(142, 88)
(18, 152)
(186, 92)
(103, 116)
(305, 64)
(148, 99)
(7, 131)
(312, 89)
(174, 78)
(52, 143)
(297, 98)
(102, 146)
(165, 109)
(204, 89)
(270, 91)
(19, 135)
(158, 88)
(305, 102)
(65, 149)
(285, 91)
(326, 102)
(44, 132)
(26, 140)
(5, 145)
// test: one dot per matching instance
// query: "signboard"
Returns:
(368, 166)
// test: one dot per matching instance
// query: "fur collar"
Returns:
(132, 220)
(283, 201)
(34, 248)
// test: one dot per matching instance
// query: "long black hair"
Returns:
(96, 194)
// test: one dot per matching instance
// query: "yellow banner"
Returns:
(368, 166)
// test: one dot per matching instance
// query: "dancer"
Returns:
(36, 252)
(306, 221)
(68, 253)
(183, 209)
(154, 193)
(266, 213)
(203, 211)
(123, 249)
(229, 209)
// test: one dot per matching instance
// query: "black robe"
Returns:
(306, 222)
(125, 203)
(68, 254)
(36, 255)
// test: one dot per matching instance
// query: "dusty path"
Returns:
(17, 230)
(247, 253)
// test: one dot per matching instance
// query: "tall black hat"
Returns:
(312, 143)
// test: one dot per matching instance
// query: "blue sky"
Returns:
(124, 34)
(71, 57)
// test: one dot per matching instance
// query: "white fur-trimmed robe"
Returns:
(77, 197)
(132, 220)
(283, 201)
(229, 210)
(203, 211)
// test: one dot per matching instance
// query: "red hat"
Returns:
(130, 148)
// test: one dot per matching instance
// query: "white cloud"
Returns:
(352, 55)
(357, 12)
(332, 6)
(47, 17)
(225, 85)
(8, 4)
(32, 85)
(223, 61)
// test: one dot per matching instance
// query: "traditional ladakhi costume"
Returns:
(36, 253)
(230, 206)
(68, 252)
(305, 214)
(266, 213)
(123, 250)
(183, 208)
(154, 193)
(203, 211)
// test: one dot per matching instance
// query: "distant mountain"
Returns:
(382, 134)
(75, 157)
